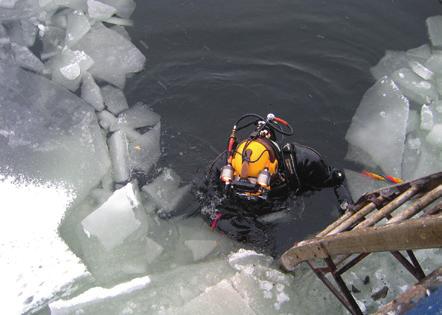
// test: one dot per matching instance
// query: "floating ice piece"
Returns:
(421, 70)
(118, 149)
(359, 184)
(413, 121)
(77, 26)
(144, 150)
(22, 32)
(422, 52)
(7, 3)
(413, 87)
(139, 115)
(200, 248)
(68, 67)
(124, 8)
(121, 30)
(98, 295)
(382, 107)
(210, 302)
(426, 118)
(434, 137)
(165, 190)
(392, 61)
(120, 21)
(26, 59)
(53, 39)
(114, 55)
(54, 5)
(434, 63)
(244, 257)
(55, 154)
(106, 119)
(153, 250)
(100, 11)
(91, 92)
(115, 220)
(434, 27)
(114, 99)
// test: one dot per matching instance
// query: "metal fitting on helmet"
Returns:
(263, 179)
(226, 174)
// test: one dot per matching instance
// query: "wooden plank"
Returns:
(419, 233)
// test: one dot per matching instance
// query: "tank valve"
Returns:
(226, 174)
(264, 178)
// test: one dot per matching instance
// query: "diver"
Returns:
(258, 174)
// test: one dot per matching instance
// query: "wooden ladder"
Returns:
(397, 218)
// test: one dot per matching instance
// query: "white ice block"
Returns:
(382, 107)
(200, 248)
(144, 150)
(413, 87)
(165, 190)
(68, 67)
(434, 63)
(115, 220)
(421, 53)
(114, 99)
(118, 149)
(98, 295)
(26, 59)
(421, 70)
(434, 137)
(120, 21)
(139, 115)
(121, 30)
(392, 61)
(52, 155)
(100, 11)
(91, 92)
(53, 40)
(7, 3)
(413, 121)
(434, 27)
(77, 26)
(124, 7)
(426, 118)
(106, 119)
(114, 55)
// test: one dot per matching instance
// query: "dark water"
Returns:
(209, 61)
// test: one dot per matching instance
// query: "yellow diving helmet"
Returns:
(251, 157)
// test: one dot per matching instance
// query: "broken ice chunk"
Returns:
(434, 137)
(429, 161)
(119, 21)
(114, 55)
(53, 39)
(97, 295)
(124, 8)
(165, 191)
(7, 3)
(244, 257)
(144, 150)
(422, 52)
(200, 248)
(91, 92)
(434, 63)
(114, 99)
(426, 118)
(413, 121)
(26, 59)
(115, 220)
(421, 70)
(118, 149)
(139, 115)
(392, 61)
(434, 27)
(209, 302)
(54, 5)
(106, 119)
(22, 32)
(382, 107)
(413, 87)
(68, 67)
(153, 250)
(77, 26)
(99, 11)
(121, 30)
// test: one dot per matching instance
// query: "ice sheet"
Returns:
(114, 55)
(139, 115)
(99, 11)
(144, 149)
(382, 107)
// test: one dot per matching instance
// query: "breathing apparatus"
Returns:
(253, 162)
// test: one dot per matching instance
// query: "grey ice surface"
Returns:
(382, 107)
